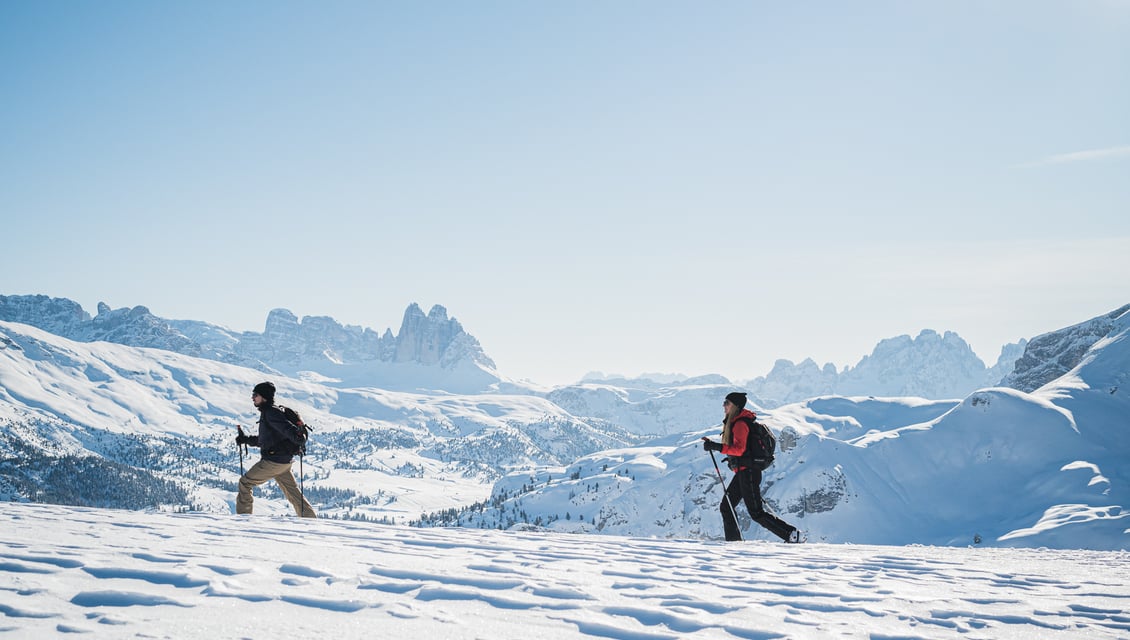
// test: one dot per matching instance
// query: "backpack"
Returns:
(302, 431)
(760, 445)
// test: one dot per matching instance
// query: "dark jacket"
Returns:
(278, 439)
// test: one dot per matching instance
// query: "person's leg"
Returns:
(751, 491)
(289, 488)
(259, 473)
(733, 496)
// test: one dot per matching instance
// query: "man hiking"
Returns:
(278, 441)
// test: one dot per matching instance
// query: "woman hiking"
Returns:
(747, 467)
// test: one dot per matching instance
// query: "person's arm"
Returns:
(243, 438)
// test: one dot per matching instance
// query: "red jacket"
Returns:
(739, 434)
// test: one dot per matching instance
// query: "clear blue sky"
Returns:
(615, 186)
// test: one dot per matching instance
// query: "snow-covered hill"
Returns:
(1000, 467)
(116, 574)
(118, 410)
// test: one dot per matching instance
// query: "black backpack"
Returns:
(760, 445)
(302, 430)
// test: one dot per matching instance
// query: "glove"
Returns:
(242, 439)
(709, 445)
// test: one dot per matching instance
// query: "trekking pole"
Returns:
(726, 495)
(239, 447)
(301, 479)
(301, 470)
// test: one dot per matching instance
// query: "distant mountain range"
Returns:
(430, 351)
(86, 421)
(929, 366)
(434, 352)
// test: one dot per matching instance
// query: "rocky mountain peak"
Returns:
(438, 313)
(1049, 356)
(287, 343)
(57, 315)
(930, 365)
(435, 339)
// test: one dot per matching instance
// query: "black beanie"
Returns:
(265, 389)
(737, 398)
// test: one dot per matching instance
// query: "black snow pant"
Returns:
(747, 485)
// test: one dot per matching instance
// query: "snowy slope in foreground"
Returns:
(118, 574)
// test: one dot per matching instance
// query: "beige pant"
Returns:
(263, 471)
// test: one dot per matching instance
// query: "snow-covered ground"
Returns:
(118, 574)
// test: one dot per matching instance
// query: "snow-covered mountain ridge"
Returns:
(152, 416)
(434, 351)
(430, 351)
(929, 366)
(1053, 354)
